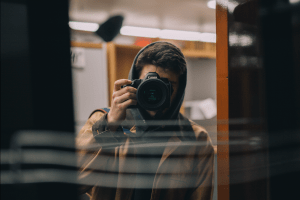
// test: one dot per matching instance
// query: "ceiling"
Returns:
(189, 15)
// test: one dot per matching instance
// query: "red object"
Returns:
(142, 42)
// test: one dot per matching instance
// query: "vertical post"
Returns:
(222, 101)
(111, 68)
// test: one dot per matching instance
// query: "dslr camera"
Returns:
(153, 92)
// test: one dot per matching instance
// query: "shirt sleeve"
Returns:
(95, 146)
(204, 171)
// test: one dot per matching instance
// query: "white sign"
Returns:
(78, 57)
(204, 109)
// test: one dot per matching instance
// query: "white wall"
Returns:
(90, 83)
(201, 84)
(201, 79)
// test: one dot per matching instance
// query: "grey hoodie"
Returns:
(172, 113)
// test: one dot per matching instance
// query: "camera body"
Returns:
(153, 92)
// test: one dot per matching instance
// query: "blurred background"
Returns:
(59, 61)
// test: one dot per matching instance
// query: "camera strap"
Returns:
(106, 110)
(158, 115)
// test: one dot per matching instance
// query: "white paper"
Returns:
(78, 57)
(202, 109)
(208, 108)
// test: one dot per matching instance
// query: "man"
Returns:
(136, 154)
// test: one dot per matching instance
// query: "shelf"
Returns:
(199, 54)
(86, 44)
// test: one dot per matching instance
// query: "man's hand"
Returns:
(121, 99)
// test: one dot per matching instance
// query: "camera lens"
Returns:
(152, 94)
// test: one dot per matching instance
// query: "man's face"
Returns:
(171, 76)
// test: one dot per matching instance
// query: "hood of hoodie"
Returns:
(172, 112)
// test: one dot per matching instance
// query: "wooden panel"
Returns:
(111, 69)
(222, 101)
(125, 57)
(86, 44)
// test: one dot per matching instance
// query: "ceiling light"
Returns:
(208, 37)
(180, 35)
(84, 26)
(211, 4)
(168, 34)
(140, 31)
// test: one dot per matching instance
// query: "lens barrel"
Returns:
(153, 94)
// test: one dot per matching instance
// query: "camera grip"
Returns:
(135, 85)
(132, 106)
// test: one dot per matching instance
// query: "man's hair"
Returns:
(164, 55)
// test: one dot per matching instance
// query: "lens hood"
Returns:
(153, 94)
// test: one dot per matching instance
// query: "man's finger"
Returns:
(121, 82)
(125, 97)
(124, 90)
(128, 103)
